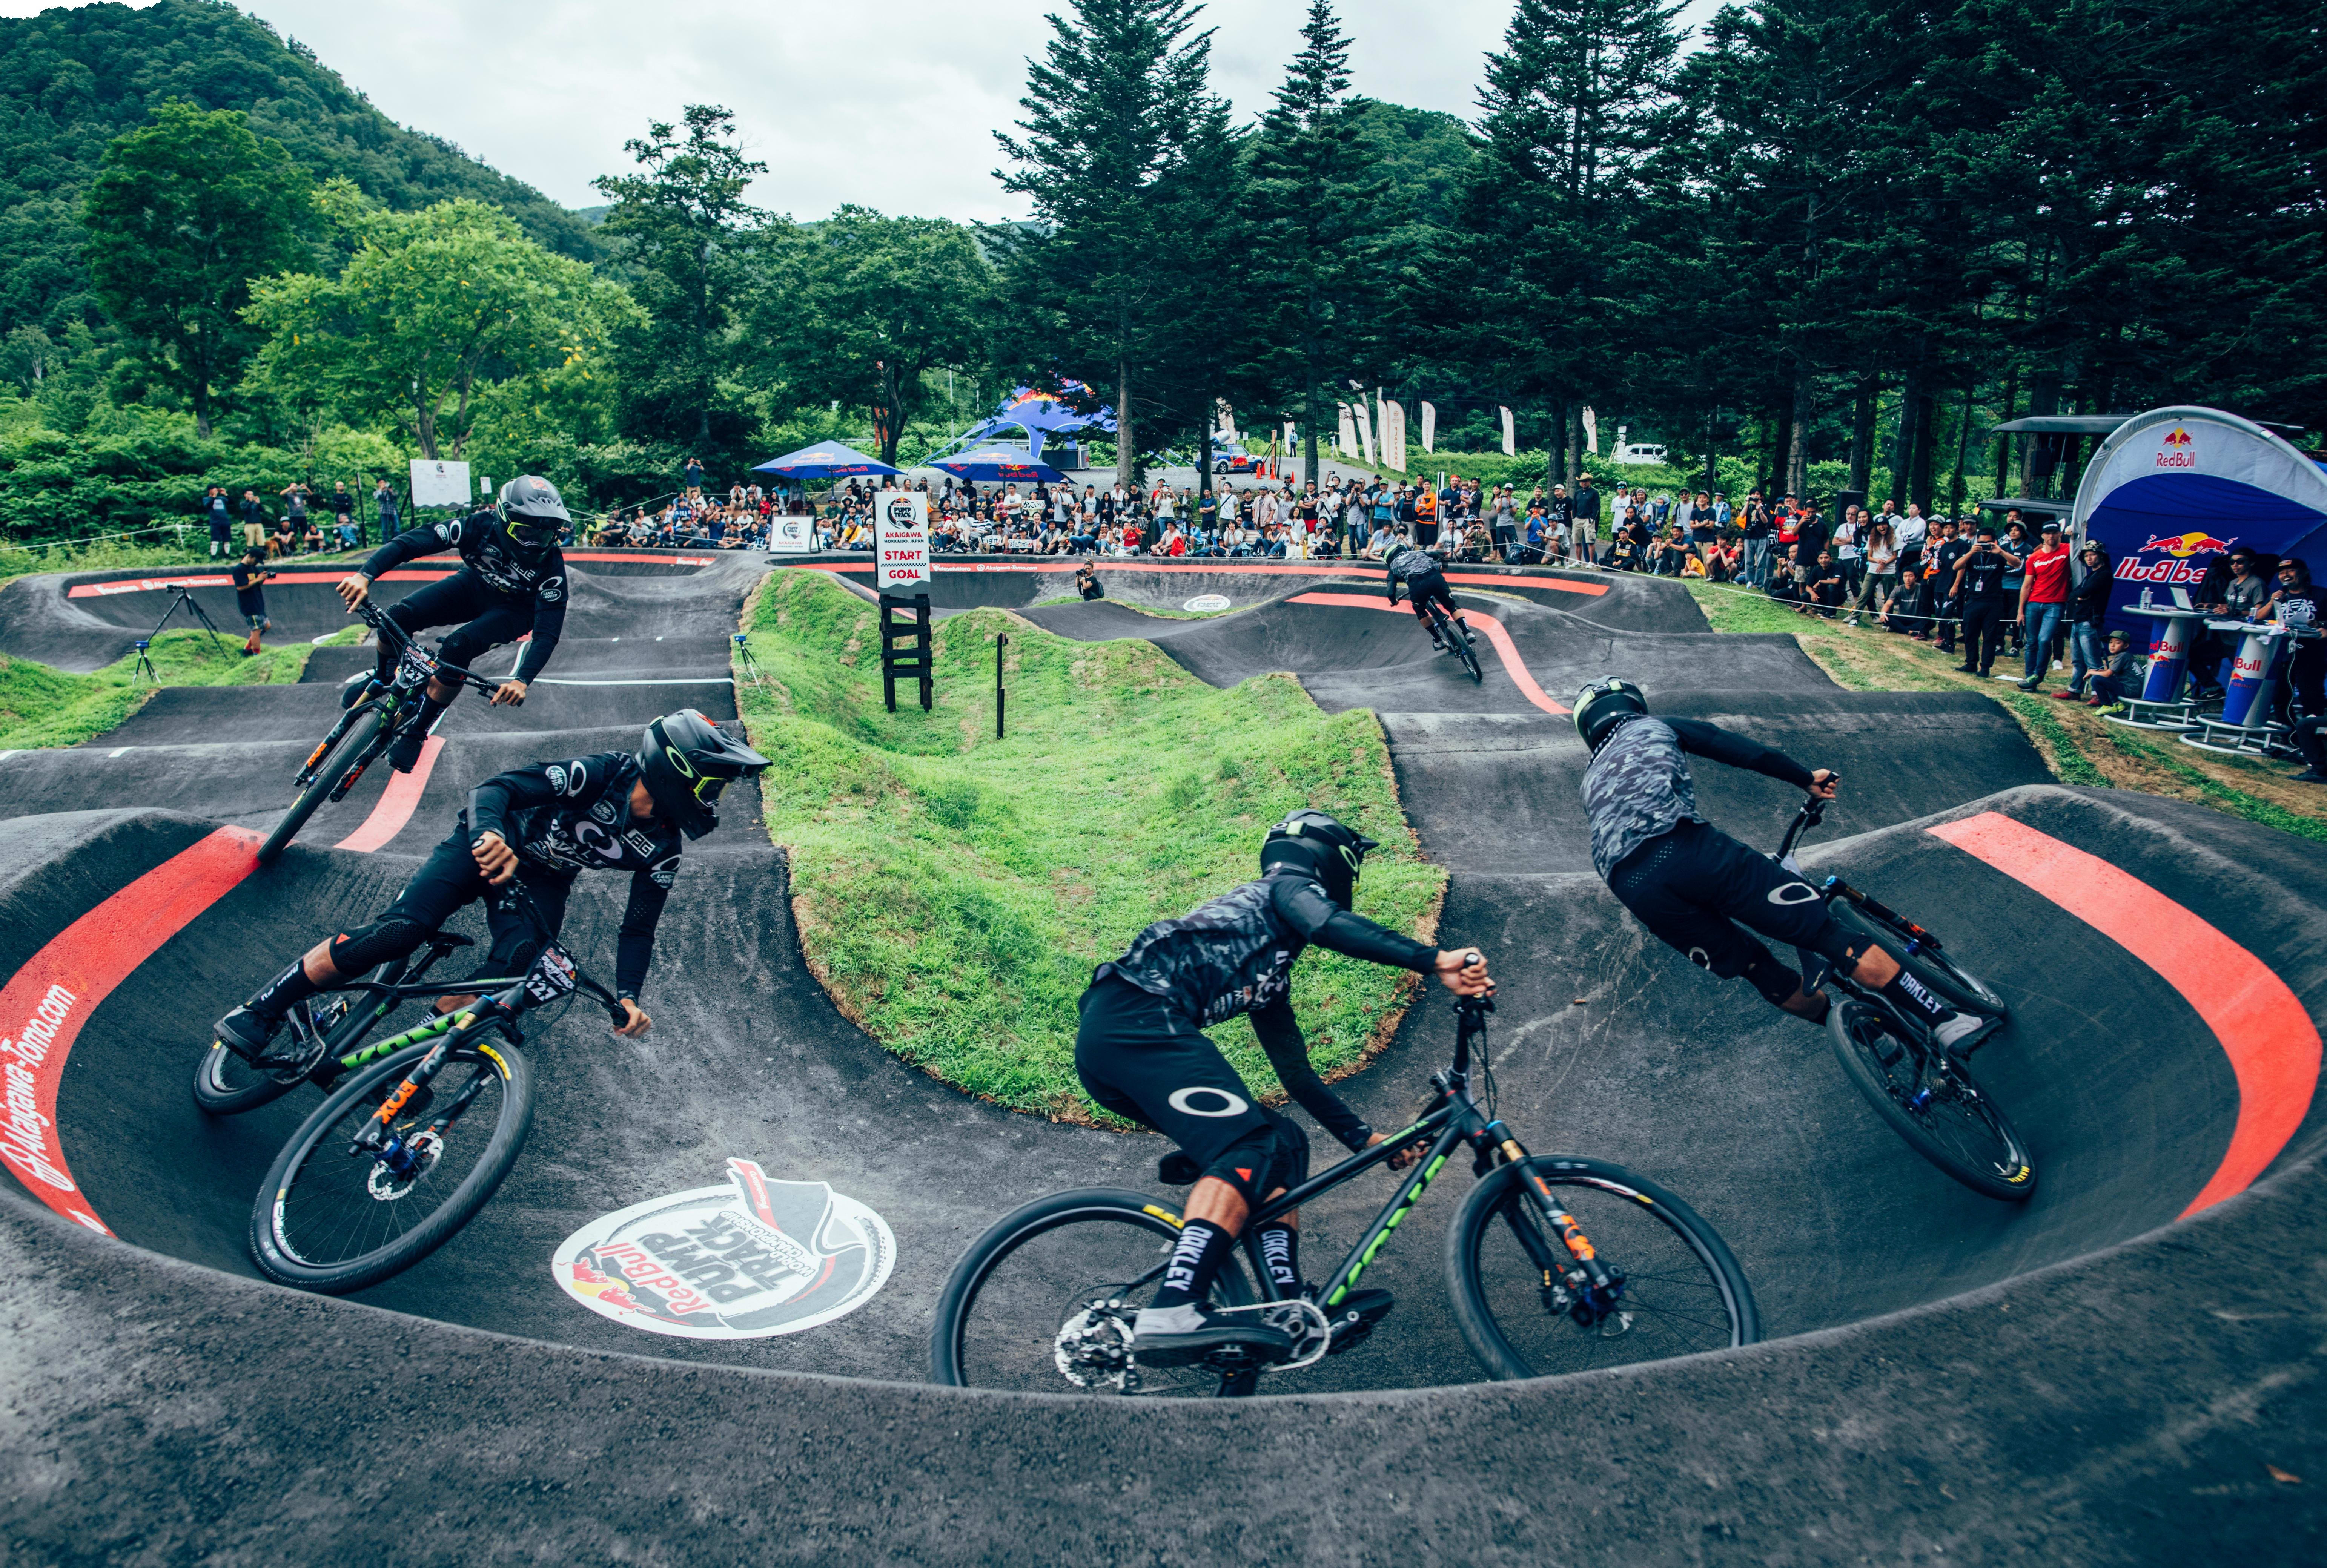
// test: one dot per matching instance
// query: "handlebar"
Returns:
(402, 642)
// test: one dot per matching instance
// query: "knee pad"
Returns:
(1776, 982)
(513, 953)
(1249, 1164)
(383, 941)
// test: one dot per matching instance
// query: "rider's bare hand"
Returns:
(1464, 973)
(494, 857)
(512, 692)
(355, 589)
(1823, 784)
(636, 1021)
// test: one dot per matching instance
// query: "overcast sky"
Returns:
(888, 105)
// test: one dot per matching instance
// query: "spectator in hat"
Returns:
(2088, 609)
(2108, 682)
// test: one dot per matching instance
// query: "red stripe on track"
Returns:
(1513, 665)
(46, 1001)
(339, 574)
(397, 802)
(2273, 1046)
(1245, 568)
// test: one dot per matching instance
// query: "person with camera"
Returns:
(1979, 583)
(250, 595)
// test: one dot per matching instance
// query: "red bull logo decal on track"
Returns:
(753, 1258)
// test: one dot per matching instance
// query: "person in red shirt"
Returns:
(2043, 599)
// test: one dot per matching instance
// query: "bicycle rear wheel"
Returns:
(1464, 652)
(330, 1222)
(1042, 1302)
(1930, 1100)
(227, 1086)
(1955, 986)
(354, 746)
(1682, 1291)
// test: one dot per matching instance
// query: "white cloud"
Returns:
(891, 106)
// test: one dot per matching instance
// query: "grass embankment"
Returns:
(954, 892)
(43, 706)
(2074, 741)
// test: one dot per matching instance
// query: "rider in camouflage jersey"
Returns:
(1141, 1053)
(1419, 571)
(1693, 885)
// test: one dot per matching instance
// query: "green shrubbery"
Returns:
(955, 891)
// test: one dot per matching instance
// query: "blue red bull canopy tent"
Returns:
(825, 460)
(2173, 489)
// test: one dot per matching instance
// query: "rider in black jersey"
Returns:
(512, 581)
(537, 828)
(1141, 1053)
(1420, 571)
(1692, 884)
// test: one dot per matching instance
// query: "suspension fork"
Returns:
(414, 1092)
(1496, 1139)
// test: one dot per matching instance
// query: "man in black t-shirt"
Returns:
(1951, 542)
(1987, 603)
(218, 513)
(250, 596)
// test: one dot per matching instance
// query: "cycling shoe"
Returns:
(244, 1032)
(405, 755)
(1183, 1335)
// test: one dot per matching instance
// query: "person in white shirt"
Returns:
(1914, 531)
(1229, 507)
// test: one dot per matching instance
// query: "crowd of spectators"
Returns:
(298, 520)
(737, 520)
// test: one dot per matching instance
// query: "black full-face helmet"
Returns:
(534, 513)
(1327, 849)
(685, 763)
(1601, 705)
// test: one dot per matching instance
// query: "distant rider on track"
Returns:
(1141, 1053)
(511, 580)
(1693, 885)
(1420, 571)
(535, 828)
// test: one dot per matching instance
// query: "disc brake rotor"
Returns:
(1093, 1347)
(387, 1187)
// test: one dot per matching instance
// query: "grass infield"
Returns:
(43, 706)
(954, 892)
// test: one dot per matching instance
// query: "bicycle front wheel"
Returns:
(334, 1221)
(1042, 1302)
(1930, 1100)
(1466, 653)
(1681, 1292)
(355, 745)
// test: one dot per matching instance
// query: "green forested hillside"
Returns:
(71, 81)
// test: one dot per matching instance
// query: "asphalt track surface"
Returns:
(2096, 1376)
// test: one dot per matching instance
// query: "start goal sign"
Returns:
(900, 541)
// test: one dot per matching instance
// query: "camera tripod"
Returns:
(143, 669)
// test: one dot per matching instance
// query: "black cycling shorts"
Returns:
(449, 879)
(488, 619)
(1425, 588)
(1137, 1060)
(1693, 886)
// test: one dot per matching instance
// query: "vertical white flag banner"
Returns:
(1393, 416)
(1430, 428)
(1365, 421)
(1347, 443)
(1592, 432)
(1511, 440)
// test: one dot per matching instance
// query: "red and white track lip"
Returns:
(2273, 1046)
(338, 574)
(1228, 568)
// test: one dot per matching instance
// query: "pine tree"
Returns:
(1315, 289)
(1095, 284)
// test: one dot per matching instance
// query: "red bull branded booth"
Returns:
(2167, 494)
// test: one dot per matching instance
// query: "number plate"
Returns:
(552, 976)
(416, 665)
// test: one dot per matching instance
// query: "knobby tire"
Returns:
(353, 746)
(314, 1145)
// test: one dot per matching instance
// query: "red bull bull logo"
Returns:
(2176, 558)
(2177, 450)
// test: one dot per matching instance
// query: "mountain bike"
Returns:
(1451, 632)
(411, 1145)
(326, 1039)
(366, 730)
(1557, 1263)
(1925, 1091)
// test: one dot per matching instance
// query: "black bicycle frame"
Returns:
(1454, 1119)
